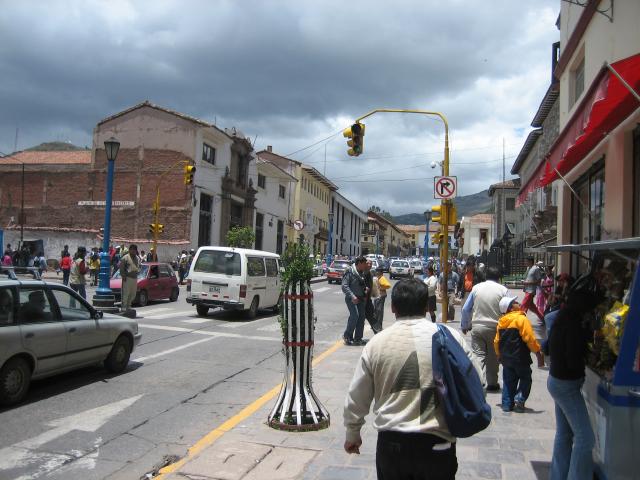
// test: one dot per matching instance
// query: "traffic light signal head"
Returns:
(436, 238)
(439, 213)
(152, 228)
(160, 227)
(156, 228)
(452, 215)
(189, 171)
(355, 133)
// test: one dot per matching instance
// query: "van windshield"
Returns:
(217, 261)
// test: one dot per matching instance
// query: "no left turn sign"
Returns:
(445, 187)
(298, 225)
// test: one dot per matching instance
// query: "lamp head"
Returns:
(111, 147)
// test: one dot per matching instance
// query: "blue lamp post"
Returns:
(104, 298)
(330, 251)
(427, 217)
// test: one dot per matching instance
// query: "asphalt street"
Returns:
(188, 375)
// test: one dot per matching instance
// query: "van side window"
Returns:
(255, 267)
(7, 307)
(272, 267)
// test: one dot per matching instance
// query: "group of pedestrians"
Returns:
(394, 371)
(365, 294)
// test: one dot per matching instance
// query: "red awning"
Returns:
(607, 103)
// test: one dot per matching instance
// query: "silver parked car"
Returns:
(47, 328)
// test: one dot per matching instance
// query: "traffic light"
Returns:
(156, 228)
(152, 228)
(440, 213)
(436, 238)
(189, 171)
(160, 227)
(356, 135)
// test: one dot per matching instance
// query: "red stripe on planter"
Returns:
(298, 344)
(299, 297)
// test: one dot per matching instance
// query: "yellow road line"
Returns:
(245, 413)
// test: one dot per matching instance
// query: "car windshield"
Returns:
(399, 264)
(218, 261)
(141, 274)
(416, 264)
(340, 265)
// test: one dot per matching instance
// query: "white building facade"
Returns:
(348, 221)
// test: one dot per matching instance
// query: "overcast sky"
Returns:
(290, 74)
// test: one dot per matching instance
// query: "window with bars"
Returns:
(281, 191)
(262, 181)
(208, 154)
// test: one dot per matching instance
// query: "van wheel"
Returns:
(15, 377)
(253, 309)
(202, 310)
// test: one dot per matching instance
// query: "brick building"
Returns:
(64, 191)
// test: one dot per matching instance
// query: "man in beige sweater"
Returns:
(129, 268)
(395, 373)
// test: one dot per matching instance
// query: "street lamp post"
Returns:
(104, 299)
(330, 251)
(427, 218)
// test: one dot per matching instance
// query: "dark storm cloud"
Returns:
(287, 72)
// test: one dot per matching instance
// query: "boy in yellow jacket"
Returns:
(513, 343)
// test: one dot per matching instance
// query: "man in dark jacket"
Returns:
(355, 294)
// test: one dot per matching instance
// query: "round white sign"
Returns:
(298, 225)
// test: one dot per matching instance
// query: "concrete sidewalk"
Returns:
(515, 446)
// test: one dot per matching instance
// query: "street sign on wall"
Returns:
(298, 225)
(445, 188)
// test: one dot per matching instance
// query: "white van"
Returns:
(233, 279)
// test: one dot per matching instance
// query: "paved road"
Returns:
(188, 376)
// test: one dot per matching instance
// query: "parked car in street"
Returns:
(386, 265)
(417, 266)
(47, 329)
(400, 268)
(336, 270)
(156, 281)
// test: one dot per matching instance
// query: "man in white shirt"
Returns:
(480, 315)
(432, 283)
(395, 373)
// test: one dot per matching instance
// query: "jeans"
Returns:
(516, 385)
(574, 439)
(65, 276)
(355, 324)
(378, 306)
(80, 288)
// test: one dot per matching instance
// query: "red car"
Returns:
(336, 270)
(156, 281)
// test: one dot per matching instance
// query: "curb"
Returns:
(318, 279)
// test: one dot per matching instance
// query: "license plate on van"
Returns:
(214, 289)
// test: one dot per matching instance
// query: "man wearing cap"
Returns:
(129, 268)
(480, 315)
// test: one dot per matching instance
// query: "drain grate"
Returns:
(166, 460)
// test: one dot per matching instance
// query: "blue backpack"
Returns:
(458, 387)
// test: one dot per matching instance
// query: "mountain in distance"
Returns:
(466, 205)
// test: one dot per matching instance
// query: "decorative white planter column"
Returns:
(297, 407)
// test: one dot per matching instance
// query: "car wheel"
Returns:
(174, 294)
(118, 357)
(143, 298)
(15, 377)
(253, 309)
(202, 310)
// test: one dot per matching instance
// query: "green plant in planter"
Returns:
(241, 237)
(298, 267)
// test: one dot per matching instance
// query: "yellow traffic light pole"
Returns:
(156, 204)
(444, 225)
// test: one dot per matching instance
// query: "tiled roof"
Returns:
(412, 228)
(514, 183)
(44, 158)
(482, 218)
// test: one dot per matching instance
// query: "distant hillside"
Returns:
(55, 147)
(466, 205)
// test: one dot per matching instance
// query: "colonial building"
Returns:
(273, 204)
(594, 163)
(347, 224)
(381, 236)
(476, 234)
(503, 196)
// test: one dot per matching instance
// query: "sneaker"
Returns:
(360, 343)
(518, 407)
(493, 388)
(346, 341)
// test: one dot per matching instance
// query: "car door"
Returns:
(42, 333)
(10, 343)
(88, 341)
(273, 281)
(165, 280)
(256, 279)
(154, 288)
